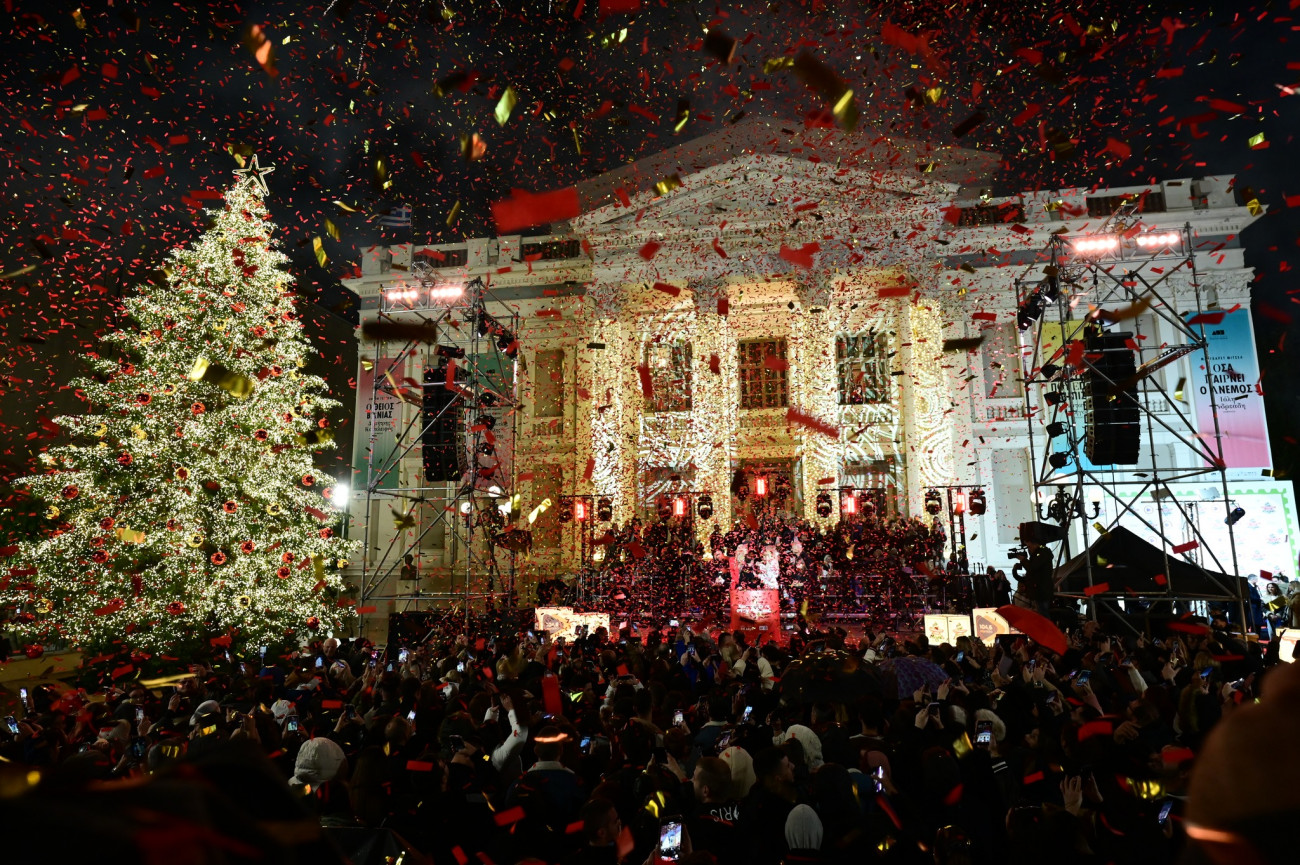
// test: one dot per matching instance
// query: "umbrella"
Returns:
(1036, 626)
(913, 673)
(831, 676)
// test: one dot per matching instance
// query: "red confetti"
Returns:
(524, 209)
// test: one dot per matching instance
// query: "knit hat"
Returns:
(207, 707)
(812, 746)
(319, 761)
(742, 771)
(803, 829)
(281, 709)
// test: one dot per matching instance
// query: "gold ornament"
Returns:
(52, 513)
(138, 432)
(244, 601)
(273, 510)
(195, 541)
(44, 605)
(101, 431)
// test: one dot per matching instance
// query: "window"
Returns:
(763, 368)
(1000, 354)
(1148, 202)
(990, 214)
(548, 383)
(670, 375)
(546, 485)
(862, 364)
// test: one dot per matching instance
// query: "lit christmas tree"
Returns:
(188, 508)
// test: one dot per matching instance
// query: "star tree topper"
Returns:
(258, 172)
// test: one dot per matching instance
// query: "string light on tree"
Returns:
(188, 507)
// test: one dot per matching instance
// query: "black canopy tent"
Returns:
(1130, 567)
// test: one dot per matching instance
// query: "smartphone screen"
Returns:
(410, 716)
(457, 743)
(1205, 674)
(1084, 676)
(403, 655)
(723, 741)
(961, 656)
(1164, 811)
(749, 711)
(984, 734)
(460, 666)
(878, 779)
(670, 840)
(291, 724)
(320, 662)
(678, 719)
(12, 724)
(139, 714)
(22, 696)
(586, 744)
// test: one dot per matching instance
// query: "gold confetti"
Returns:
(78, 19)
(933, 95)
(381, 180)
(455, 212)
(129, 536)
(819, 77)
(346, 208)
(367, 364)
(472, 147)
(1256, 140)
(1254, 207)
(318, 247)
(232, 382)
(331, 229)
(776, 64)
(668, 184)
(505, 105)
(1178, 391)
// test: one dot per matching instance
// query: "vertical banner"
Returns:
(378, 415)
(1234, 375)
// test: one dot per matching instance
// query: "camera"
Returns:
(1017, 553)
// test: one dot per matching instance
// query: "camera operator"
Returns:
(1033, 572)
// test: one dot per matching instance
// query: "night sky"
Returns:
(117, 114)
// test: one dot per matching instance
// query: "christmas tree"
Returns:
(188, 508)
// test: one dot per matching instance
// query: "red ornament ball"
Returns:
(33, 651)
(230, 507)
(287, 558)
(125, 459)
(218, 558)
(143, 399)
(99, 557)
(313, 622)
(261, 435)
(107, 523)
(308, 480)
(70, 492)
(174, 525)
(182, 474)
(283, 573)
(247, 547)
(175, 608)
(198, 408)
(327, 533)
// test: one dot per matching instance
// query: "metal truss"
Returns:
(434, 325)
(1115, 287)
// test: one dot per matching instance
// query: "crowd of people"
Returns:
(850, 567)
(491, 743)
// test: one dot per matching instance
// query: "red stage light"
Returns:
(959, 503)
(579, 510)
(679, 507)
(850, 504)
(760, 487)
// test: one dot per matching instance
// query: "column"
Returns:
(926, 403)
(715, 409)
(815, 392)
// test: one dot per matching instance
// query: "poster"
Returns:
(376, 430)
(757, 612)
(564, 621)
(989, 624)
(946, 628)
(1286, 641)
(1234, 375)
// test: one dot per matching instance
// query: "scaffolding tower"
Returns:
(1106, 285)
(465, 340)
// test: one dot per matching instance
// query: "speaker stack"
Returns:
(1111, 415)
(441, 428)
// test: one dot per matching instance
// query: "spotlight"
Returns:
(1050, 371)
(487, 449)
(679, 507)
(580, 510)
(959, 502)
(760, 487)
(933, 502)
(978, 504)
(508, 344)
(1235, 516)
(604, 509)
(1055, 428)
(823, 506)
(486, 421)
(1054, 397)
(450, 351)
(481, 326)
(1032, 309)
(1052, 283)
(1158, 239)
(466, 507)
(849, 503)
(704, 506)
(1099, 245)
(1059, 460)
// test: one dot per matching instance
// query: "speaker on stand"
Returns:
(1111, 416)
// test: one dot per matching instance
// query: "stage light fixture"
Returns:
(704, 506)
(679, 507)
(604, 509)
(1052, 283)
(445, 291)
(849, 503)
(933, 502)
(466, 507)
(824, 506)
(760, 487)
(580, 510)
(978, 503)
(1056, 428)
(959, 502)
(1233, 518)
(1097, 245)
(486, 421)
(487, 449)
(1050, 371)
(450, 351)
(1059, 460)
(1032, 309)
(1054, 397)
(1158, 239)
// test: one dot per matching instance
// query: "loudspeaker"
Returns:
(442, 432)
(1111, 417)
(1042, 533)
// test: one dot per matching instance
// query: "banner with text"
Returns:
(376, 430)
(1234, 375)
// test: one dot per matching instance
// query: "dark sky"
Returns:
(117, 114)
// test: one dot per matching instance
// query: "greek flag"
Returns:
(398, 217)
